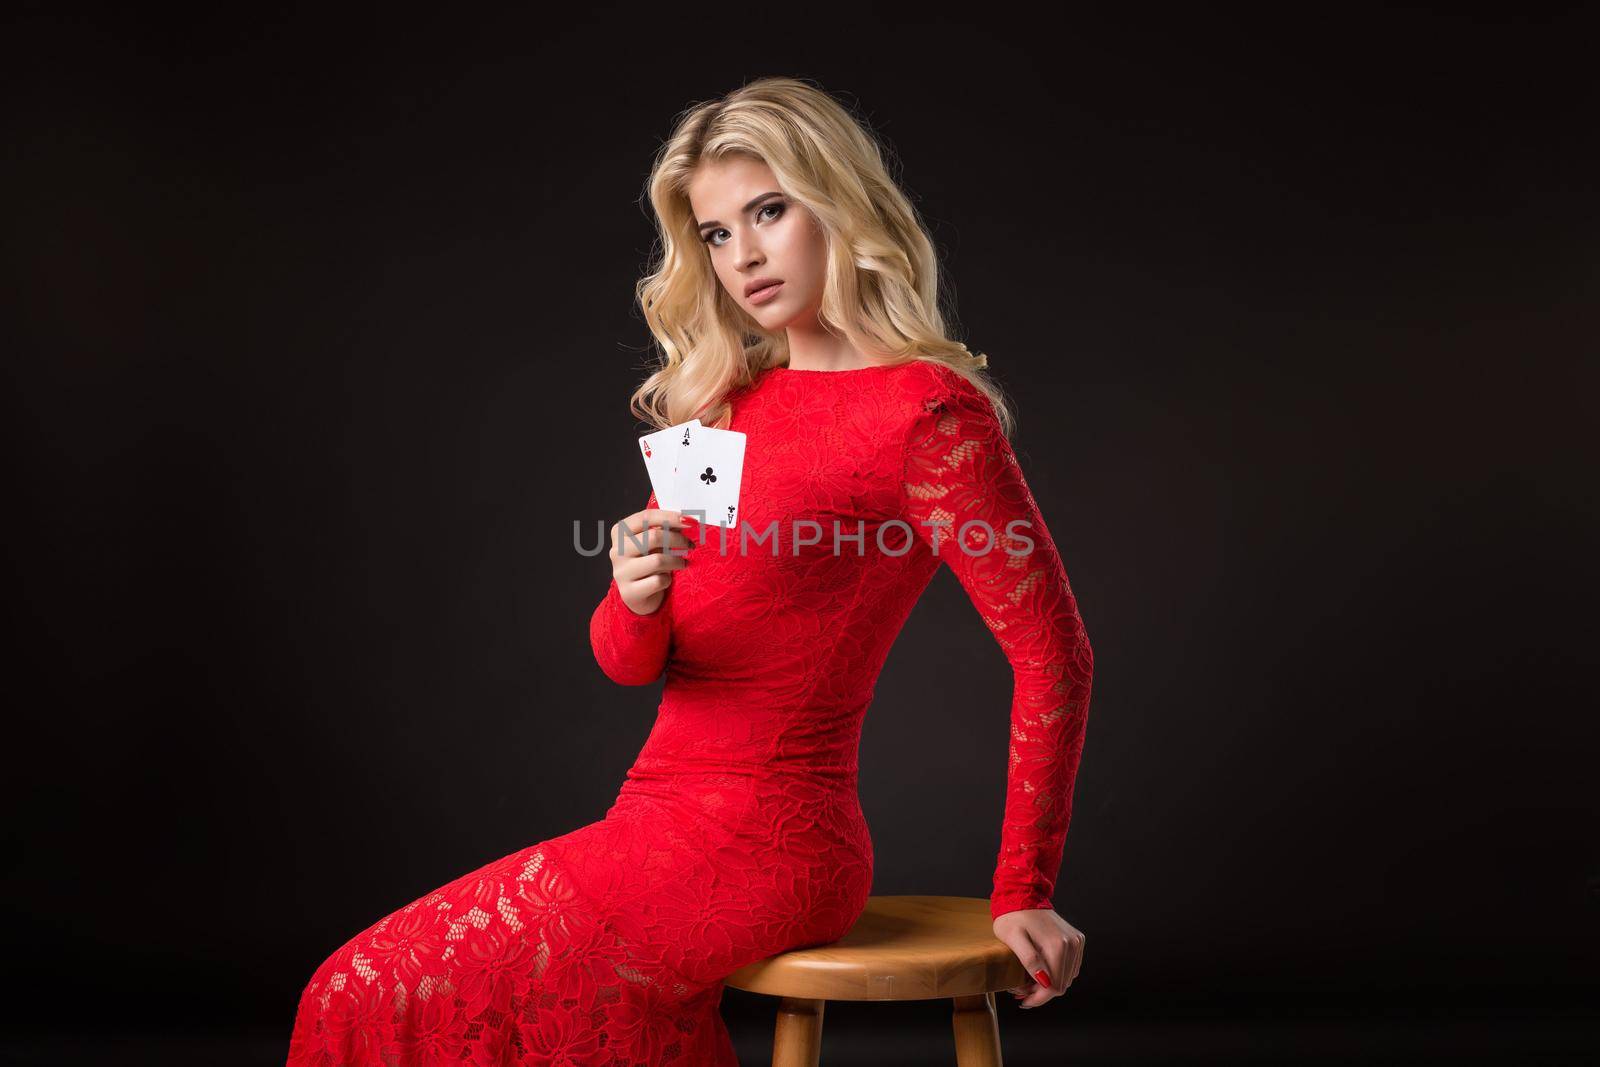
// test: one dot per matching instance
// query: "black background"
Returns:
(324, 336)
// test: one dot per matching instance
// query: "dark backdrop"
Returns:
(324, 337)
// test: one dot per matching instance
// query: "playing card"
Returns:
(710, 470)
(660, 450)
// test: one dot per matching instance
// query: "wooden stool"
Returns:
(902, 948)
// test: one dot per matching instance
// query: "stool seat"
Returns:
(901, 948)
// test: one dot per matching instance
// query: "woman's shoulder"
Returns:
(936, 386)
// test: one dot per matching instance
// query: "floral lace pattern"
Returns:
(964, 490)
(738, 832)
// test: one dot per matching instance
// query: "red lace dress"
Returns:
(737, 832)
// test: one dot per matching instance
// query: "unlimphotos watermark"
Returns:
(1016, 544)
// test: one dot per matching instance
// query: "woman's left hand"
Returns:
(1043, 941)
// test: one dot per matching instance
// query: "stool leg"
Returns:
(977, 1031)
(797, 1038)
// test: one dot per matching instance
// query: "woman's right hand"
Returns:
(643, 570)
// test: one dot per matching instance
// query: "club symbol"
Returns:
(708, 477)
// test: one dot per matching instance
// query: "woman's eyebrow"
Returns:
(743, 210)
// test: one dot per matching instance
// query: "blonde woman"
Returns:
(795, 300)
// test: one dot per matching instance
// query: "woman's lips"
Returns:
(761, 296)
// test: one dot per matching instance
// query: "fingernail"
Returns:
(1043, 976)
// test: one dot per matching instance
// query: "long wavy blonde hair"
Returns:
(882, 287)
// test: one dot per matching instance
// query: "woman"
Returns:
(807, 320)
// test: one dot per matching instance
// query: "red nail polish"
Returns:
(1043, 976)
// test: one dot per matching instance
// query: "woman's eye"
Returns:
(774, 204)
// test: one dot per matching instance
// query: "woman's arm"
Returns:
(631, 648)
(959, 467)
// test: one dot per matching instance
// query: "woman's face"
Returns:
(753, 232)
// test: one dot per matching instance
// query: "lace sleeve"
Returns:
(631, 648)
(966, 498)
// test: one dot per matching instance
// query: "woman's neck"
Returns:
(817, 349)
